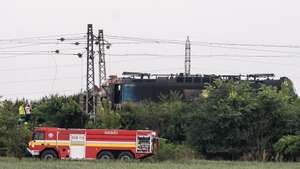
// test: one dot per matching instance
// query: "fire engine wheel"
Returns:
(49, 155)
(105, 155)
(125, 155)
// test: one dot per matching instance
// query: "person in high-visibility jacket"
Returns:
(22, 112)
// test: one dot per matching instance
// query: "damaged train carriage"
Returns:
(136, 87)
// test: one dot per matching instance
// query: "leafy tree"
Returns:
(165, 117)
(59, 111)
(108, 118)
(235, 119)
(217, 126)
(13, 134)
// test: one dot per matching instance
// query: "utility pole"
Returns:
(102, 68)
(187, 62)
(90, 76)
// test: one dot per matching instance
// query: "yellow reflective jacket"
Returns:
(21, 110)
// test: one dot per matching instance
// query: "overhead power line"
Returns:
(208, 44)
(20, 46)
(153, 40)
(36, 53)
(38, 80)
(76, 36)
(31, 44)
(24, 51)
(41, 37)
(201, 55)
(139, 40)
(255, 45)
(256, 50)
(59, 52)
(14, 55)
(39, 67)
(39, 92)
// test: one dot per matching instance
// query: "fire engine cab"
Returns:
(52, 143)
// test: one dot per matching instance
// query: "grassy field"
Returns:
(9, 163)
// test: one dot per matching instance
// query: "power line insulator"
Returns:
(97, 42)
(56, 51)
(76, 43)
(108, 46)
(61, 39)
(79, 55)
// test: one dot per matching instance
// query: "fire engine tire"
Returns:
(105, 155)
(49, 155)
(125, 155)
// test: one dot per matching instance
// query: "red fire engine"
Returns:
(51, 143)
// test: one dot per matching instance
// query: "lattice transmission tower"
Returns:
(187, 62)
(90, 75)
(102, 67)
(91, 90)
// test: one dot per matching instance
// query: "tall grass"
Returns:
(10, 163)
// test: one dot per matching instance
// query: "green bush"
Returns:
(170, 151)
(288, 147)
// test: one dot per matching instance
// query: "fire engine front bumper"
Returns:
(33, 152)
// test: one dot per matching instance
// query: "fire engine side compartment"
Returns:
(110, 140)
(63, 144)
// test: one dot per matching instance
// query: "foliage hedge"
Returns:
(231, 121)
(171, 151)
(288, 147)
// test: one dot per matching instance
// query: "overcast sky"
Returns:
(273, 22)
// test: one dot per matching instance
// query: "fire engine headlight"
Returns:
(31, 144)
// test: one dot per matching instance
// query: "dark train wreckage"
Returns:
(136, 86)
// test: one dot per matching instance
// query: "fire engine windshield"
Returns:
(144, 144)
(38, 136)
